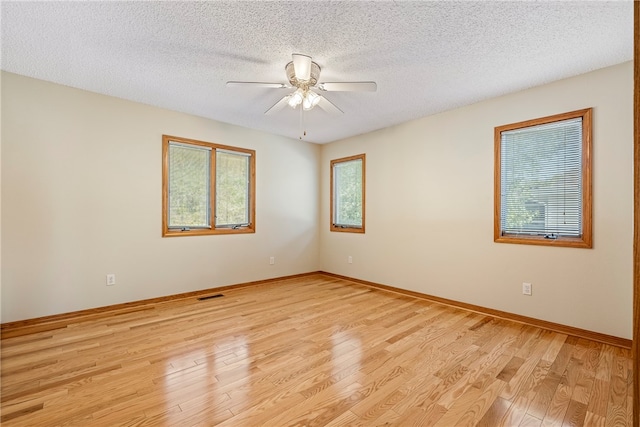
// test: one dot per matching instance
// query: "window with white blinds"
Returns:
(543, 184)
(188, 193)
(201, 178)
(232, 189)
(347, 194)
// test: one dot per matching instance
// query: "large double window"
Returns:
(206, 188)
(543, 181)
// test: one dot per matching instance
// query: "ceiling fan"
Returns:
(303, 75)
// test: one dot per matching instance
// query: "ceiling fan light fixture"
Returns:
(303, 74)
(296, 98)
(310, 100)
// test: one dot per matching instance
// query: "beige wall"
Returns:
(81, 197)
(430, 210)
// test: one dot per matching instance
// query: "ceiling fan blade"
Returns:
(302, 66)
(328, 106)
(278, 106)
(258, 84)
(348, 86)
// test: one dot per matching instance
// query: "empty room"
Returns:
(322, 213)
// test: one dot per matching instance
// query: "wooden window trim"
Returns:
(345, 229)
(168, 232)
(584, 241)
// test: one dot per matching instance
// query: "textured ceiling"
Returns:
(426, 57)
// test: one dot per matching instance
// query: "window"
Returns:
(543, 181)
(347, 194)
(206, 188)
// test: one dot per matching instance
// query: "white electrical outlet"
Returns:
(526, 288)
(350, 260)
(272, 260)
(111, 279)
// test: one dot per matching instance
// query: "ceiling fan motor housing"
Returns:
(313, 79)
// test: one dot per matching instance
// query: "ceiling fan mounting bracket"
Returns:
(303, 84)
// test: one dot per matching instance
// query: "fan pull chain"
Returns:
(302, 131)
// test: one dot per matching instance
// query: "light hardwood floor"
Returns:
(311, 351)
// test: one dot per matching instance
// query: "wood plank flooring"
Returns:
(311, 351)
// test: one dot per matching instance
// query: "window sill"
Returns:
(347, 229)
(568, 242)
(207, 232)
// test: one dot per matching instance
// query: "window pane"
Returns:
(232, 188)
(189, 180)
(347, 181)
(541, 179)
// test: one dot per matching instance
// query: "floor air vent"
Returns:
(210, 297)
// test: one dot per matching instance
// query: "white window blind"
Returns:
(347, 181)
(232, 189)
(541, 180)
(189, 186)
